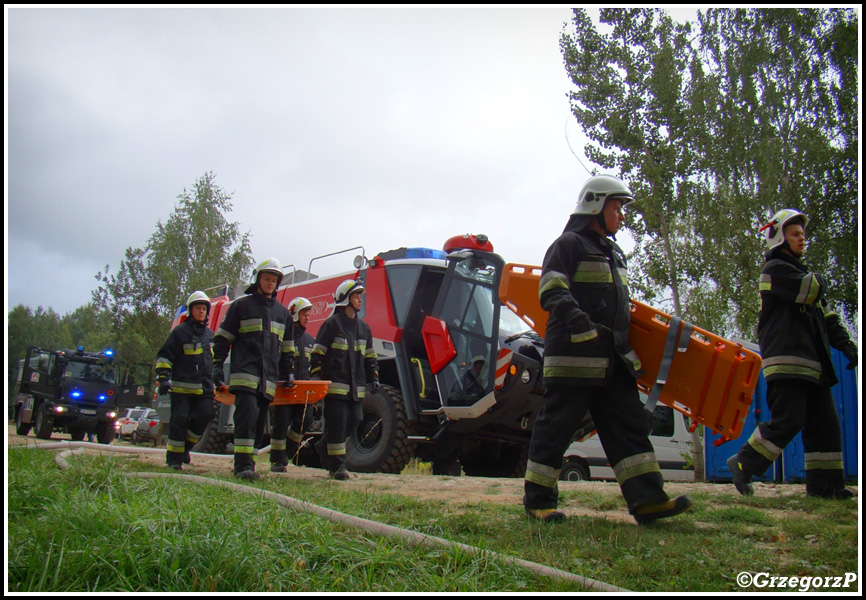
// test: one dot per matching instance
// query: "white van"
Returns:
(670, 437)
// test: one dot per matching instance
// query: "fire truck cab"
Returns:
(460, 371)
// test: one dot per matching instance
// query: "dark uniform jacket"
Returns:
(187, 359)
(795, 327)
(583, 286)
(343, 353)
(258, 330)
(304, 343)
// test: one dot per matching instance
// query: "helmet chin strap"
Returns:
(603, 224)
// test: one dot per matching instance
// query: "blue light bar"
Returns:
(76, 394)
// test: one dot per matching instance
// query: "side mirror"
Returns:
(359, 261)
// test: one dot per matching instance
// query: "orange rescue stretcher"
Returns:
(706, 377)
(303, 392)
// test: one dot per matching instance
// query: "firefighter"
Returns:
(184, 370)
(258, 331)
(795, 331)
(343, 353)
(589, 365)
(292, 417)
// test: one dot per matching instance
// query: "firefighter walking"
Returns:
(590, 370)
(258, 331)
(184, 370)
(795, 331)
(344, 354)
(290, 419)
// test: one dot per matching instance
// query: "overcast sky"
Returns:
(333, 127)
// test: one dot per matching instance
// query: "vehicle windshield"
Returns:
(510, 324)
(471, 315)
(90, 372)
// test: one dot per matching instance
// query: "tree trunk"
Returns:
(697, 440)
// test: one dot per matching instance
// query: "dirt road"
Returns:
(460, 493)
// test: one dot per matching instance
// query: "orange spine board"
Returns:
(711, 379)
(303, 392)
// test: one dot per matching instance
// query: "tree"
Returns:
(782, 133)
(196, 248)
(42, 328)
(91, 328)
(631, 100)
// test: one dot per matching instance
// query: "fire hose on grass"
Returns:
(75, 448)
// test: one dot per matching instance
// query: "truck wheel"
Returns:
(574, 471)
(104, 432)
(21, 428)
(44, 423)
(212, 441)
(380, 443)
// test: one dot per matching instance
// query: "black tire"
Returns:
(21, 428)
(380, 444)
(492, 460)
(104, 432)
(574, 471)
(44, 423)
(213, 442)
(77, 435)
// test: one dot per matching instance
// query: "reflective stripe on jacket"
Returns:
(343, 353)
(186, 358)
(583, 286)
(795, 327)
(258, 331)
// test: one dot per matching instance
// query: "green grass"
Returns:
(91, 528)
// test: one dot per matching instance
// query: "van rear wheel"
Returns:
(574, 471)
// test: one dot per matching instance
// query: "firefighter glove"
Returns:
(164, 386)
(578, 322)
(850, 353)
(218, 379)
(374, 385)
(289, 381)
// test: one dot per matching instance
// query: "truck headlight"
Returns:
(59, 409)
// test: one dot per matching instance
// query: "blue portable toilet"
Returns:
(845, 396)
(716, 457)
(792, 462)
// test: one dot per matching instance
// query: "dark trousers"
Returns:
(623, 427)
(286, 433)
(797, 405)
(251, 417)
(189, 416)
(342, 417)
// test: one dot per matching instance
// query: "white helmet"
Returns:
(598, 189)
(297, 305)
(346, 289)
(198, 297)
(271, 265)
(775, 229)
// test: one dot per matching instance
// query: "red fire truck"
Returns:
(460, 371)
